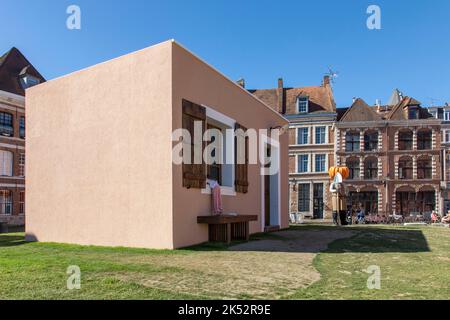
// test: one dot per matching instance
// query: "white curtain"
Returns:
(6, 163)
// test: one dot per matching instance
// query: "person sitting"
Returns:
(446, 219)
(434, 217)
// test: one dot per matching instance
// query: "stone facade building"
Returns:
(311, 112)
(16, 74)
(393, 153)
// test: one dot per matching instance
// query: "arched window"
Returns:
(371, 168)
(6, 163)
(5, 202)
(6, 124)
(405, 168)
(424, 168)
(405, 140)
(352, 141)
(371, 140)
(353, 167)
(424, 139)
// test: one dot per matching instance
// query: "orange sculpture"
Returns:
(344, 171)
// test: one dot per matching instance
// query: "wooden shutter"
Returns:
(194, 175)
(241, 170)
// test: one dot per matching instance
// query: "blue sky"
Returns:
(259, 40)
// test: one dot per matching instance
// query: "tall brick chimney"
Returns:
(280, 94)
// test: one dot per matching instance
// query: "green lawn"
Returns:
(414, 264)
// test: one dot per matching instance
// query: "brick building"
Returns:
(394, 156)
(311, 112)
(16, 74)
(443, 114)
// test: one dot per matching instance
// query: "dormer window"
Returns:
(413, 113)
(447, 115)
(27, 81)
(302, 104)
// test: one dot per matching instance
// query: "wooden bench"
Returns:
(225, 228)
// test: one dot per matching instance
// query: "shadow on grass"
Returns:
(11, 240)
(222, 246)
(315, 238)
(307, 239)
(382, 240)
(374, 239)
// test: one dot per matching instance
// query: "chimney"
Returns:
(280, 95)
(326, 80)
(378, 104)
(241, 82)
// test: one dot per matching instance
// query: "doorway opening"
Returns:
(271, 189)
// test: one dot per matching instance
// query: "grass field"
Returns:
(305, 262)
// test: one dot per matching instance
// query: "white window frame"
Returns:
(446, 135)
(22, 165)
(298, 104)
(324, 134)
(228, 122)
(297, 135)
(446, 115)
(6, 163)
(307, 163)
(324, 162)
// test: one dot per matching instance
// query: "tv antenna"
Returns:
(433, 101)
(332, 74)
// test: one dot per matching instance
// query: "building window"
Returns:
(370, 168)
(6, 124)
(434, 114)
(320, 163)
(303, 197)
(447, 115)
(413, 113)
(424, 168)
(352, 141)
(6, 163)
(405, 168)
(302, 135)
(424, 139)
(28, 81)
(371, 141)
(22, 127)
(353, 168)
(22, 165)
(320, 135)
(214, 159)
(22, 202)
(6, 202)
(303, 163)
(405, 140)
(302, 104)
(446, 136)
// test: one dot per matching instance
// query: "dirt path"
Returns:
(270, 268)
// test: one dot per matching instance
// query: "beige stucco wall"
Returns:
(99, 152)
(99, 168)
(196, 81)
